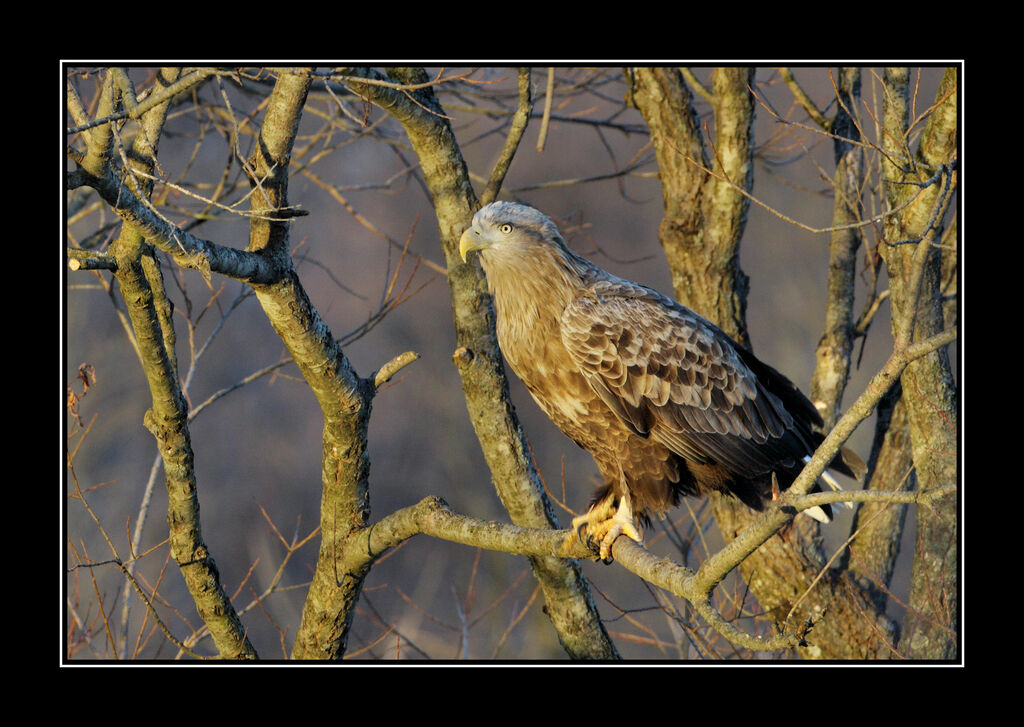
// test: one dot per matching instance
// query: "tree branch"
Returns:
(165, 94)
(432, 516)
(186, 249)
(804, 100)
(832, 368)
(929, 389)
(142, 289)
(478, 359)
(392, 367)
(515, 134)
(862, 408)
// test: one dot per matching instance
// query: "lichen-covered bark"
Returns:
(915, 278)
(832, 368)
(705, 218)
(478, 359)
(878, 527)
(148, 308)
(704, 215)
(344, 398)
(345, 401)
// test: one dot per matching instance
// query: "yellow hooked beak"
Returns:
(471, 240)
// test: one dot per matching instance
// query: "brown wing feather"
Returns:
(669, 374)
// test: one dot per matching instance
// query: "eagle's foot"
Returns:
(603, 523)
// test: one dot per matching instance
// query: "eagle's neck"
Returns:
(530, 294)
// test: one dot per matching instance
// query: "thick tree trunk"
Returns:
(704, 220)
(922, 188)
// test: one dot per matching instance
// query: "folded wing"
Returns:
(669, 374)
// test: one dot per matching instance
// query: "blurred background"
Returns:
(257, 448)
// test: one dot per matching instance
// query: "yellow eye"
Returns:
(506, 228)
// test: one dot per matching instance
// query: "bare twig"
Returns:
(155, 99)
(392, 367)
(546, 118)
(515, 134)
(816, 230)
(804, 100)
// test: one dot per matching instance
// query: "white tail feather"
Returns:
(831, 482)
(818, 514)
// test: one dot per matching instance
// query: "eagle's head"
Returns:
(506, 228)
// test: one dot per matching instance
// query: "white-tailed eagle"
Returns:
(665, 401)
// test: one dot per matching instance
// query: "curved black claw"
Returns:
(588, 541)
(579, 531)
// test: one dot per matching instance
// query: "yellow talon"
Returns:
(603, 525)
